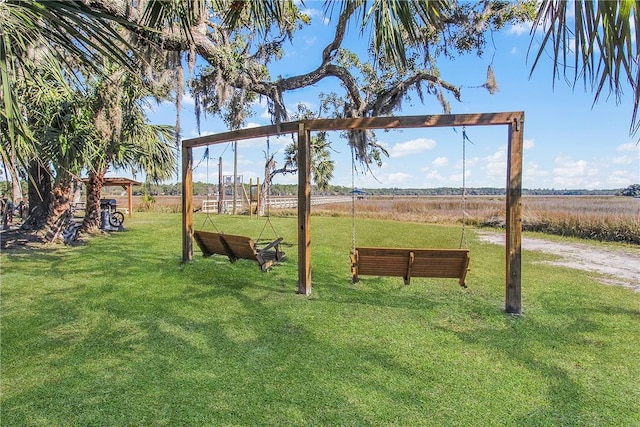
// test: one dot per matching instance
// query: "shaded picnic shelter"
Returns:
(126, 184)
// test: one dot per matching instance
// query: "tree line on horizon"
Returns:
(203, 189)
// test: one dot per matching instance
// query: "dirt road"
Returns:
(619, 267)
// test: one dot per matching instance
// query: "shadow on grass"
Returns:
(132, 337)
(207, 343)
(213, 353)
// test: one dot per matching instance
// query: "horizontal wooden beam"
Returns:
(437, 120)
(242, 134)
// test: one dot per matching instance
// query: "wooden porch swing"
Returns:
(409, 262)
(237, 247)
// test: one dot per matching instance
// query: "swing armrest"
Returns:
(275, 243)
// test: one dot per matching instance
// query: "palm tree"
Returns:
(63, 140)
(593, 41)
(42, 35)
(126, 138)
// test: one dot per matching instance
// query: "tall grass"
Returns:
(613, 219)
(604, 218)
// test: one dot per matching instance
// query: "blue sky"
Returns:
(568, 143)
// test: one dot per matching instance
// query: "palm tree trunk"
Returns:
(39, 195)
(94, 191)
(16, 186)
(61, 196)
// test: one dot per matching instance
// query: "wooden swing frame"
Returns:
(513, 120)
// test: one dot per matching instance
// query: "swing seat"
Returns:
(239, 247)
(408, 263)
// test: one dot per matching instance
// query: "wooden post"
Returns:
(187, 204)
(304, 210)
(513, 244)
(251, 198)
(130, 198)
(258, 199)
(234, 190)
(220, 187)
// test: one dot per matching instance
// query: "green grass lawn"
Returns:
(118, 332)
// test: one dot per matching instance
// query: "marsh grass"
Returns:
(118, 332)
(603, 218)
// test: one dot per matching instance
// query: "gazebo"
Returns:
(126, 184)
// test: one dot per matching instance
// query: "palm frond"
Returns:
(394, 23)
(259, 14)
(55, 30)
(598, 43)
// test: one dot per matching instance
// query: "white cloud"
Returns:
(622, 160)
(568, 168)
(414, 146)
(535, 177)
(253, 143)
(570, 173)
(496, 163)
(247, 174)
(278, 142)
(432, 178)
(440, 162)
(200, 177)
(194, 133)
(288, 179)
(473, 161)
(520, 29)
(621, 178)
(187, 99)
(265, 114)
(514, 51)
(396, 178)
(629, 146)
(532, 169)
(528, 144)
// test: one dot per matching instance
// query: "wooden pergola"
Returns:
(303, 128)
(126, 184)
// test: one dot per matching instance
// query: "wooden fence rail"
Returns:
(211, 206)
